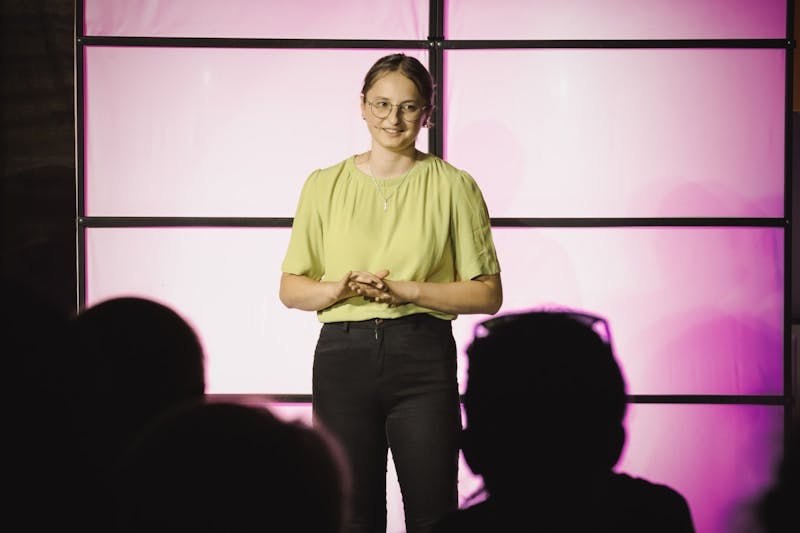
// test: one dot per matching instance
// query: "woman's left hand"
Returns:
(373, 287)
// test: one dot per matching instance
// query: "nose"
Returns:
(394, 114)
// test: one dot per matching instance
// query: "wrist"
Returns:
(406, 291)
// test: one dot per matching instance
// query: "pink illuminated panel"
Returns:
(225, 283)
(298, 19)
(718, 456)
(692, 310)
(616, 19)
(620, 133)
(217, 132)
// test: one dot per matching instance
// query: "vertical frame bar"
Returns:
(80, 208)
(435, 64)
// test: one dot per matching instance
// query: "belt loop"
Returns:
(346, 326)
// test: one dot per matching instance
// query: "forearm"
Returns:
(301, 292)
(483, 294)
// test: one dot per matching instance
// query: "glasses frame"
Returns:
(401, 113)
(594, 322)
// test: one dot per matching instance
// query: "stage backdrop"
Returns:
(632, 156)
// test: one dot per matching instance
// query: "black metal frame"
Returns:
(436, 44)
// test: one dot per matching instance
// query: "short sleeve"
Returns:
(304, 255)
(473, 245)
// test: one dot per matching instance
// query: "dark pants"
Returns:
(392, 384)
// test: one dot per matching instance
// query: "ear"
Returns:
(427, 118)
(614, 443)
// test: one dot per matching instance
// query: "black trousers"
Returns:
(391, 384)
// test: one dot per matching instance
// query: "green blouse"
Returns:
(435, 227)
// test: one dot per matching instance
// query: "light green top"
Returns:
(435, 228)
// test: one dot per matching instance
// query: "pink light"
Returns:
(299, 19)
(616, 19)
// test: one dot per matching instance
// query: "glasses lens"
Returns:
(409, 111)
(380, 108)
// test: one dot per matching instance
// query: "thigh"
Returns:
(424, 425)
(344, 402)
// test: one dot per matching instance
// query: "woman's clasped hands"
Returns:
(373, 287)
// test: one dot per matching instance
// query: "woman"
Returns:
(388, 247)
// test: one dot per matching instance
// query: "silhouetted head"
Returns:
(132, 358)
(227, 467)
(545, 397)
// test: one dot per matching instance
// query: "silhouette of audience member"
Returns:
(37, 475)
(545, 403)
(233, 468)
(778, 510)
(131, 360)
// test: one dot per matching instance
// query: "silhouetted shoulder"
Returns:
(647, 506)
(483, 517)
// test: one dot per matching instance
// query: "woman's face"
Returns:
(398, 131)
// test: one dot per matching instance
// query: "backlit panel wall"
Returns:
(620, 133)
(177, 131)
(643, 183)
(698, 291)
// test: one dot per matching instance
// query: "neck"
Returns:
(385, 164)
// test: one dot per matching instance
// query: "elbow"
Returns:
(496, 300)
(285, 299)
(284, 294)
(494, 306)
(492, 299)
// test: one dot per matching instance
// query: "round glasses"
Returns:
(408, 111)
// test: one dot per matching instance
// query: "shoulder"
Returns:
(627, 483)
(448, 175)
(323, 179)
(332, 171)
(480, 517)
(437, 165)
(653, 498)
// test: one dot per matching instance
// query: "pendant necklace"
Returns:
(380, 186)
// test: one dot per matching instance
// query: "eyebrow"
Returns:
(389, 99)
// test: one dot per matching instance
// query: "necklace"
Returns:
(380, 186)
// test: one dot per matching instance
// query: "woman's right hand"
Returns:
(302, 292)
(370, 286)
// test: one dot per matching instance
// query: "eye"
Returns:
(381, 105)
(410, 107)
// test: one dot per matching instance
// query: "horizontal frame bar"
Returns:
(230, 42)
(286, 222)
(481, 44)
(685, 399)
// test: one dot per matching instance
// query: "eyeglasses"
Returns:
(409, 111)
(596, 323)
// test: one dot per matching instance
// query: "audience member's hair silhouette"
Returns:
(131, 360)
(545, 403)
(228, 467)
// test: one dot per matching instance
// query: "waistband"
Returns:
(373, 323)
